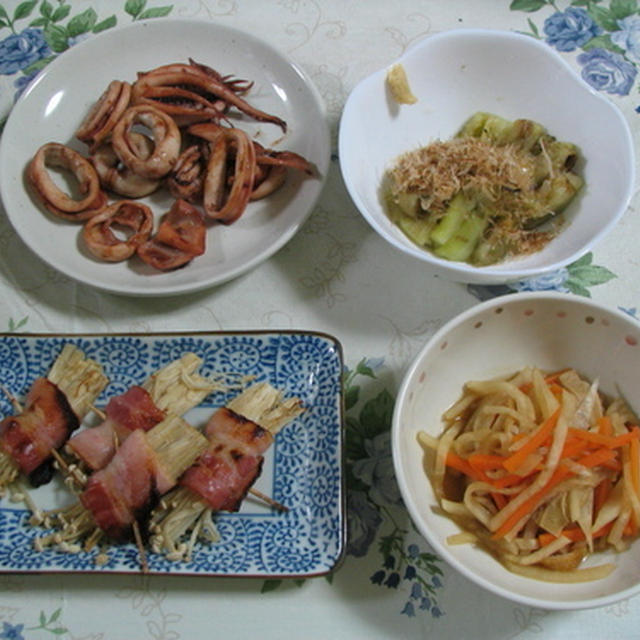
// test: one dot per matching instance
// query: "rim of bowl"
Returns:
(438, 544)
(500, 272)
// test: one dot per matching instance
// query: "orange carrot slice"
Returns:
(514, 461)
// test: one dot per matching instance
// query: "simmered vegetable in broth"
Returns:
(492, 192)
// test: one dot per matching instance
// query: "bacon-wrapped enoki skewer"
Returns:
(238, 436)
(116, 498)
(174, 389)
(54, 408)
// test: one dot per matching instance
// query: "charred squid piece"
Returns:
(227, 191)
(181, 237)
(267, 180)
(166, 140)
(53, 198)
(237, 85)
(103, 243)
(191, 94)
(116, 176)
(186, 180)
(290, 159)
(104, 114)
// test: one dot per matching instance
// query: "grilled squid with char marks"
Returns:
(102, 242)
(52, 197)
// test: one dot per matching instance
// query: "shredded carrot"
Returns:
(611, 442)
(634, 463)
(572, 447)
(528, 506)
(549, 379)
(600, 495)
(575, 534)
(514, 461)
(556, 389)
(509, 480)
(600, 456)
(460, 464)
(605, 427)
(485, 462)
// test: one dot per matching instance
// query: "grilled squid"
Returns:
(166, 140)
(104, 114)
(181, 237)
(92, 199)
(103, 243)
(195, 93)
(115, 176)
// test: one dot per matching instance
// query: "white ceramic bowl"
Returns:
(457, 73)
(495, 338)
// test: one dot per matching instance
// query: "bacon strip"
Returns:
(144, 468)
(225, 472)
(126, 488)
(125, 413)
(44, 425)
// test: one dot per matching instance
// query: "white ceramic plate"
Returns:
(52, 108)
(496, 338)
(457, 73)
(302, 469)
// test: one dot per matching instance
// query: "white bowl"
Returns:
(495, 338)
(457, 73)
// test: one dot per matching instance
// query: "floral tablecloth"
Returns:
(335, 276)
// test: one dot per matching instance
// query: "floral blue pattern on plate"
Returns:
(302, 470)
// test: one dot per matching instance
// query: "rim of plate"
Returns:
(322, 160)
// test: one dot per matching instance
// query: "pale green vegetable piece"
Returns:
(474, 125)
(461, 245)
(459, 207)
(497, 129)
(409, 203)
(417, 229)
(561, 190)
(563, 155)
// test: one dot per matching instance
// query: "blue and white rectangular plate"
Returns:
(302, 470)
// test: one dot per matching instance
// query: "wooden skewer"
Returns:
(270, 501)
(144, 565)
(70, 471)
(17, 407)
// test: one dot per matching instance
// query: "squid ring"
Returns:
(224, 207)
(186, 179)
(54, 199)
(166, 139)
(114, 176)
(271, 179)
(103, 243)
(104, 114)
